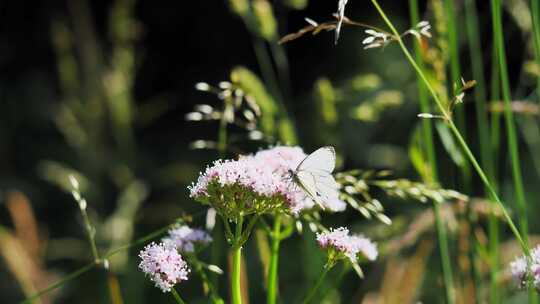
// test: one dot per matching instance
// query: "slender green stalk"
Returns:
(442, 236)
(236, 288)
(455, 78)
(90, 233)
(315, 287)
(59, 283)
(91, 265)
(177, 296)
(509, 118)
(510, 126)
(455, 69)
(208, 285)
(282, 67)
(535, 12)
(427, 132)
(272, 277)
(454, 129)
(427, 127)
(495, 93)
(486, 158)
(265, 64)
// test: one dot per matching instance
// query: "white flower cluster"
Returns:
(421, 29)
(185, 239)
(351, 246)
(521, 269)
(375, 39)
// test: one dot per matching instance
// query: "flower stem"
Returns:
(208, 285)
(272, 277)
(177, 296)
(315, 287)
(454, 130)
(236, 291)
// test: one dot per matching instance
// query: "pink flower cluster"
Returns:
(520, 269)
(163, 265)
(349, 245)
(266, 174)
(184, 239)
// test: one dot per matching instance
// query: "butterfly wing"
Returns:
(314, 176)
(323, 160)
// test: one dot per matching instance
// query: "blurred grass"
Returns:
(98, 111)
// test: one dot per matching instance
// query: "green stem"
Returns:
(59, 283)
(207, 283)
(455, 79)
(485, 145)
(272, 276)
(509, 118)
(236, 288)
(90, 266)
(510, 126)
(455, 71)
(265, 64)
(454, 129)
(427, 133)
(282, 67)
(91, 236)
(535, 12)
(315, 287)
(177, 296)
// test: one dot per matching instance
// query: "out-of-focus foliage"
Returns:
(99, 91)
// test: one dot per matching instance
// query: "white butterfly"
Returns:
(314, 176)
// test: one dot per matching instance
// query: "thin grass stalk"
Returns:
(495, 93)
(177, 297)
(91, 265)
(509, 118)
(282, 67)
(455, 78)
(486, 158)
(313, 291)
(447, 117)
(427, 134)
(265, 64)
(272, 277)
(510, 126)
(535, 14)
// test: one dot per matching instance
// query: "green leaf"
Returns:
(417, 154)
(449, 144)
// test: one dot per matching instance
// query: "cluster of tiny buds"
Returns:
(76, 192)
(378, 39)
(238, 108)
(421, 29)
(375, 39)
